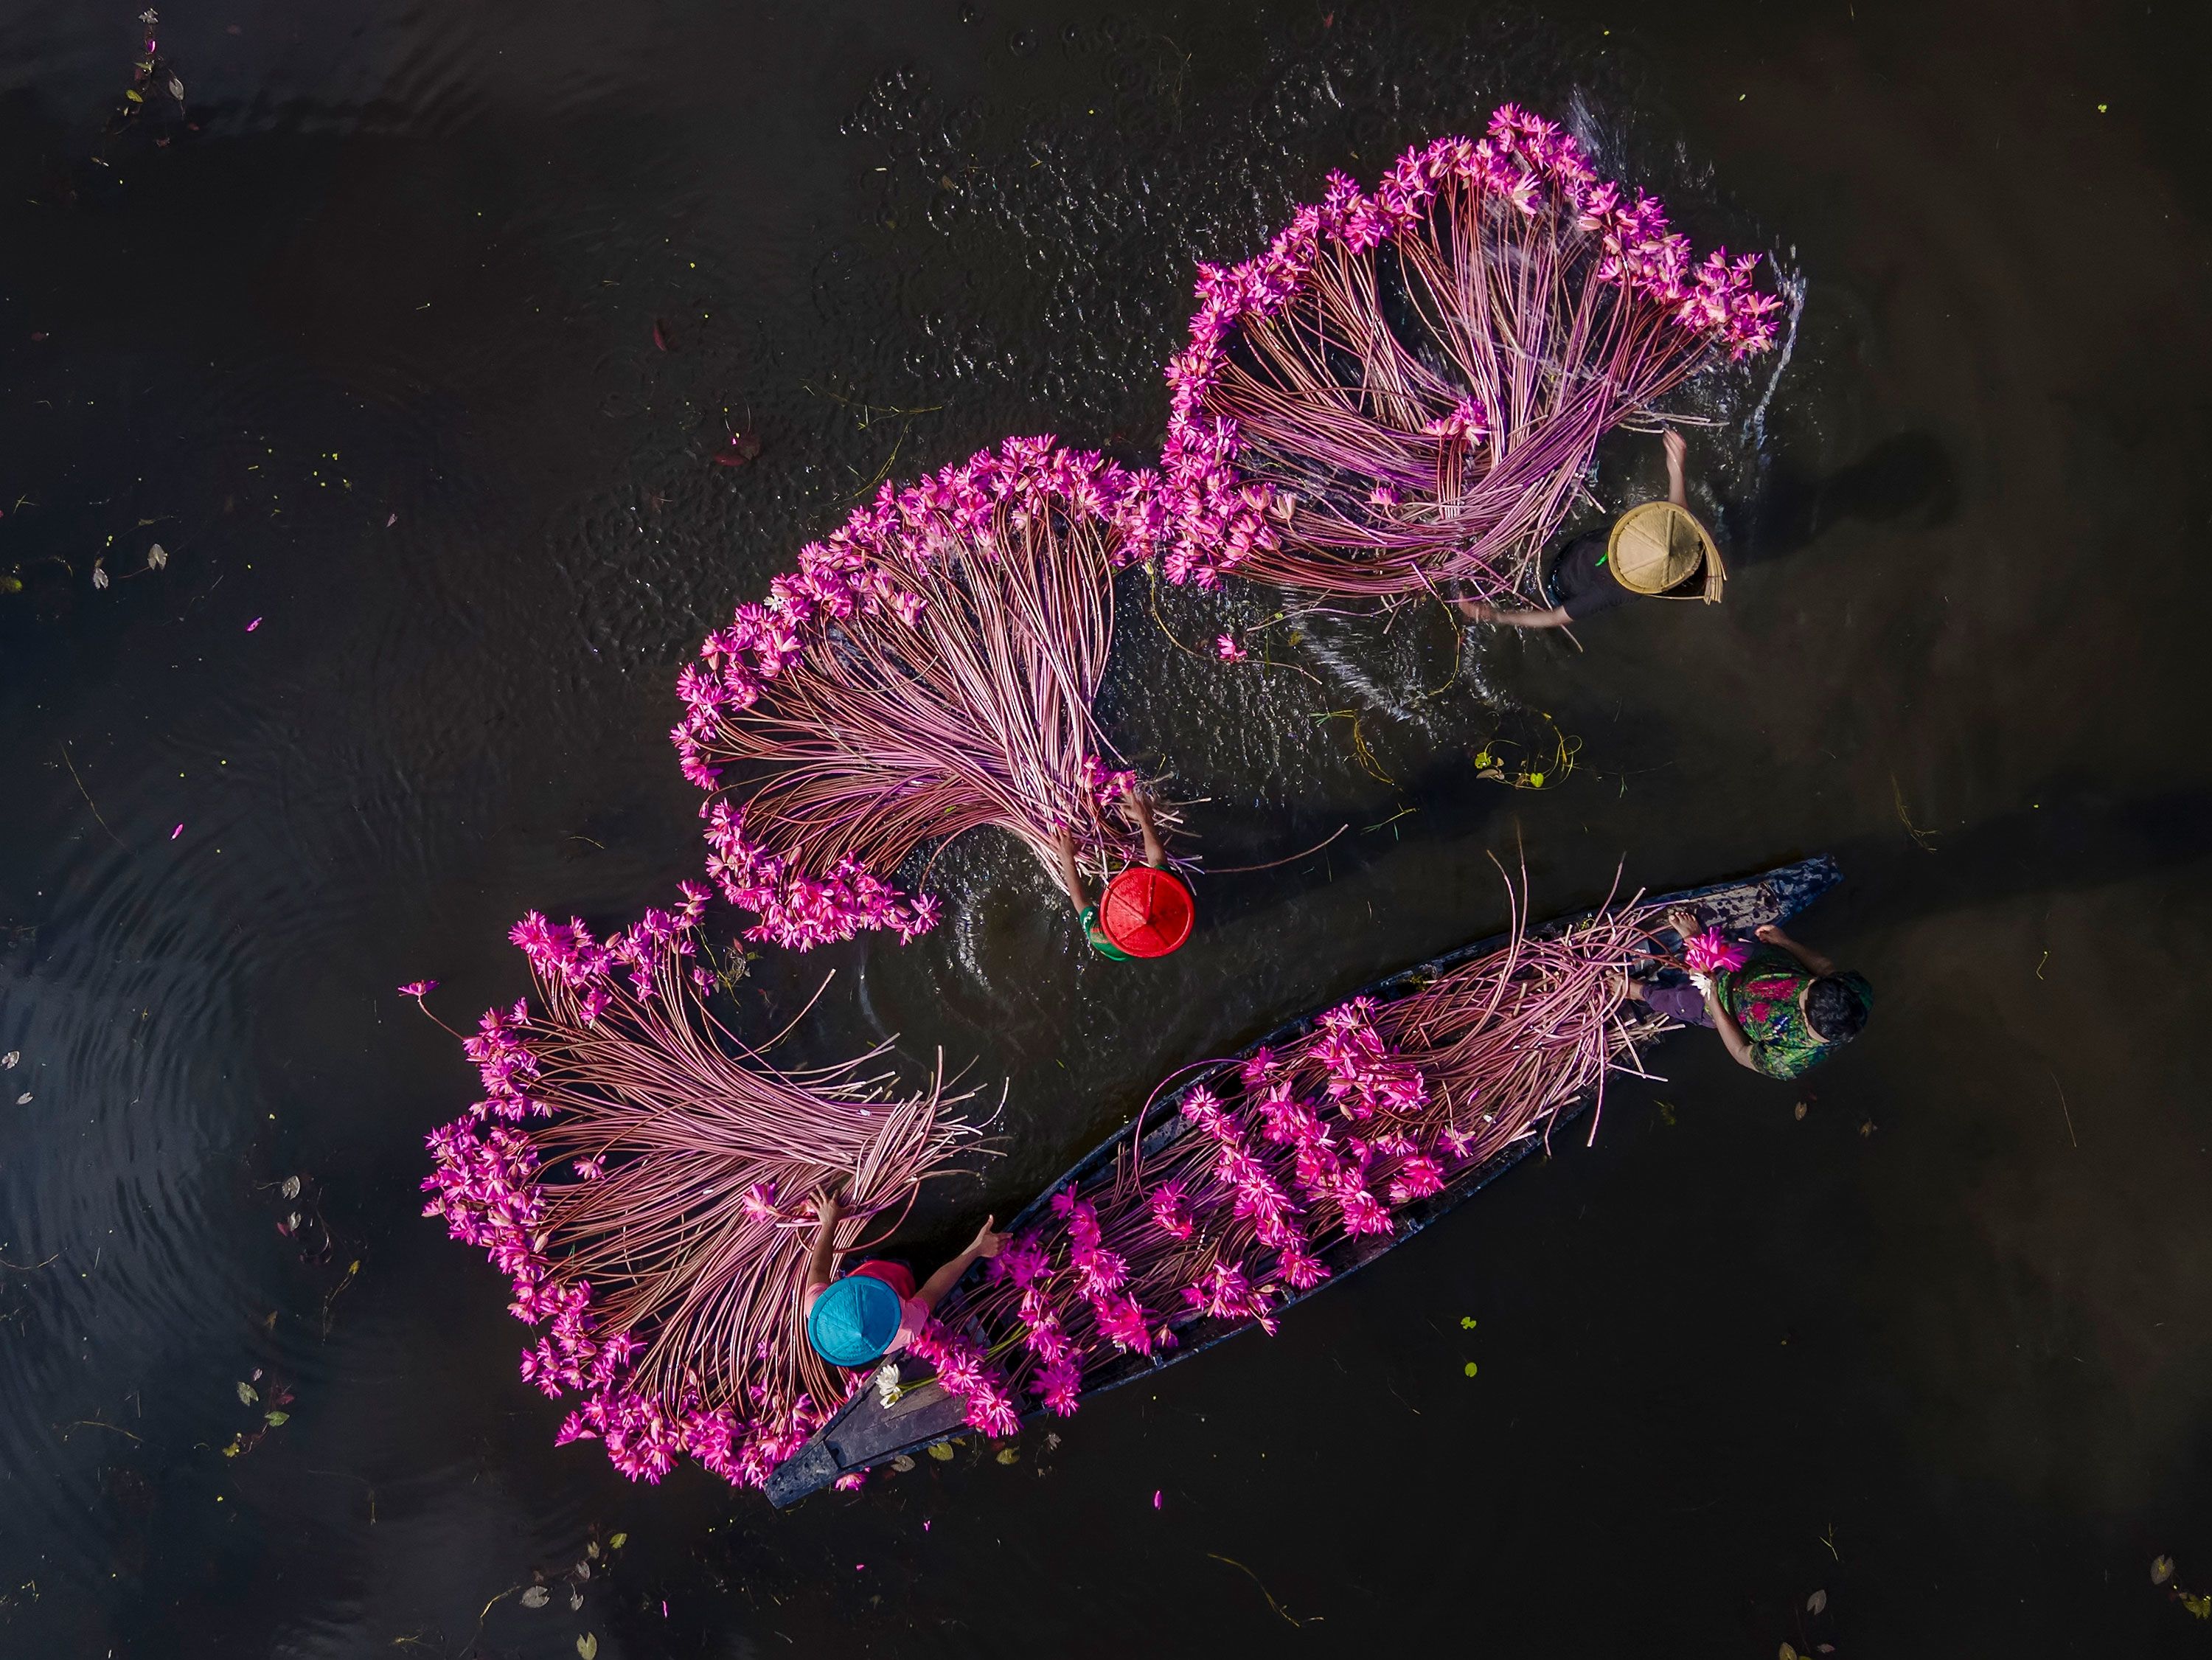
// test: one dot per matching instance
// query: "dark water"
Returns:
(1939, 1348)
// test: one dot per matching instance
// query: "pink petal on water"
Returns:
(389, 522)
(254, 625)
(1155, 1497)
(175, 833)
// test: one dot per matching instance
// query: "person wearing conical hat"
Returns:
(856, 1318)
(1653, 550)
(1143, 911)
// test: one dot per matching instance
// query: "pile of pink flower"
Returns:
(837, 725)
(1311, 1148)
(1559, 309)
(642, 1182)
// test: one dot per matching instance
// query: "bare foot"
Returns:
(1684, 921)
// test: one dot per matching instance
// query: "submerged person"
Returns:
(1784, 1012)
(857, 1318)
(153, 104)
(1143, 911)
(1652, 549)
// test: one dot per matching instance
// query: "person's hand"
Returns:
(826, 1208)
(1676, 446)
(1477, 611)
(1769, 934)
(987, 1242)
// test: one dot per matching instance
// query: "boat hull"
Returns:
(865, 1431)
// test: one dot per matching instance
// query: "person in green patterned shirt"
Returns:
(1785, 1011)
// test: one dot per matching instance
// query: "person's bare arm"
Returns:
(1678, 488)
(827, 1210)
(1732, 1038)
(1814, 962)
(1155, 854)
(1071, 874)
(986, 1243)
(1480, 611)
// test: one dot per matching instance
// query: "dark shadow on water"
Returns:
(1905, 474)
(2075, 840)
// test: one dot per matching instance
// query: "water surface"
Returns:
(370, 353)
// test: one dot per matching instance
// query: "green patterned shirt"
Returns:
(1764, 997)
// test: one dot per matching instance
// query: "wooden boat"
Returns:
(865, 1431)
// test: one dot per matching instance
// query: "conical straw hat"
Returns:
(1656, 547)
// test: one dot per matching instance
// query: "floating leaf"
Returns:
(1466, 1322)
(99, 573)
(9, 1060)
(234, 1448)
(592, 1550)
(24, 1099)
(941, 1451)
(1009, 1455)
(583, 1570)
(1800, 1112)
(2199, 1606)
(536, 1597)
(901, 1464)
(157, 556)
(618, 1541)
(247, 1394)
(2161, 1570)
(277, 1419)
(588, 1647)
(291, 1188)
(575, 1599)
(1788, 1653)
(1470, 1369)
(1817, 1601)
